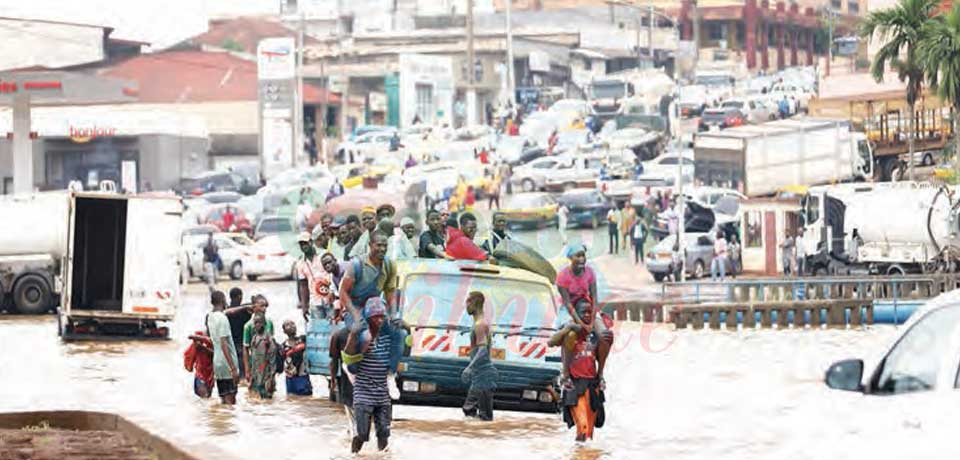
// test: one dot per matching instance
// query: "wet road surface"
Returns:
(748, 394)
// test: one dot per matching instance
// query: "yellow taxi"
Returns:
(352, 175)
(533, 209)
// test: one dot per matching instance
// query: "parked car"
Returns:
(644, 143)
(587, 207)
(530, 210)
(268, 257)
(699, 253)
(366, 146)
(531, 177)
(664, 167)
(273, 225)
(756, 112)
(926, 158)
(221, 197)
(721, 118)
(231, 247)
(693, 100)
(217, 181)
(922, 358)
(367, 129)
(318, 177)
(575, 108)
(518, 150)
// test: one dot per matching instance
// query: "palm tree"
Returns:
(901, 28)
(939, 55)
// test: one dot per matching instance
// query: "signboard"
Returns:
(539, 61)
(128, 176)
(378, 102)
(277, 144)
(276, 58)
(276, 71)
(847, 46)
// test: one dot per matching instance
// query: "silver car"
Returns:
(699, 253)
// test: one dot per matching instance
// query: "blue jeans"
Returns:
(719, 264)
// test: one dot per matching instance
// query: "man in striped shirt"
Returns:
(367, 355)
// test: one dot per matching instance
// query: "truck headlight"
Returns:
(546, 397)
(411, 386)
(428, 387)
(530, 394)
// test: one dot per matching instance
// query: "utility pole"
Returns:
(829, 39)
(471, 70)
(511, 79)
(696, 34)
(298, 135)
(650, 33)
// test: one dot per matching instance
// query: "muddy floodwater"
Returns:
(698, 395)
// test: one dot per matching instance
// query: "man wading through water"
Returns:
(365, 279)
(480, 373)
(225, 367)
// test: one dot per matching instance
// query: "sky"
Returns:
(162, 23)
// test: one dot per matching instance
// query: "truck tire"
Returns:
(236, 271)
(927, 159)
(896, 270)
(253, 277)
(658, 277)
(31, 295)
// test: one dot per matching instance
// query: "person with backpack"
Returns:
(212, 263)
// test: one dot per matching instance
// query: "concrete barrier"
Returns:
(100, 421)
(783, 314)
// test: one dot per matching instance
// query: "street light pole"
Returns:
(511, 82)
(829, 39)
(471, 70)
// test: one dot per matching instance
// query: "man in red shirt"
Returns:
(460, 243)
(583, 390)
(228, 219)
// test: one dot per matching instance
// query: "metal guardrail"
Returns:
(800, 302)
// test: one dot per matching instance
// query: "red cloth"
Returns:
(200, 360)
(471, 198)
(228, 219)
(514, 130)
(583, 365)
(484, 157)
(577, 286)
(462, 248)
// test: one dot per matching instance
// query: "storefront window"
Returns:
(753, 236)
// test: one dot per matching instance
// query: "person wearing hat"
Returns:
(404, 245)
(310, 272)
(368, 220)
(386, 211)
(340, 238)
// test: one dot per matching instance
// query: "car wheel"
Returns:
(253, 277)
(31, 295)
(928, 160)
(698, 269)
(527, 185)
(236, 271)
(658, 277)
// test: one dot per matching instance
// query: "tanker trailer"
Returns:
(903, 228)
(33, 243)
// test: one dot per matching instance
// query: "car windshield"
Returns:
(914, 362)
(275, 226)
(526, 201)
(733, 104)
(607, 90)
(437, 300)
(579, 198)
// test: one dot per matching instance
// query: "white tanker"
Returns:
(109, 261)
(904, 228)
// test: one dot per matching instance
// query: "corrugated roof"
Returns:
(197, 76)
(244, 32)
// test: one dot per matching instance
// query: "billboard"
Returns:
(276, 58)
(276, 72)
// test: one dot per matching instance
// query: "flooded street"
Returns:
(755, 394)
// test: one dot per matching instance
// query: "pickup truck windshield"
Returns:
(607, 90)
(511, 305)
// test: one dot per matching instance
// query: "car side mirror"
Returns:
(845, 375)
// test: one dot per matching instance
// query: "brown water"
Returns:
(755, 394)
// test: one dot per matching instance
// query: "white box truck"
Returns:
(764, 159)
(110, 261)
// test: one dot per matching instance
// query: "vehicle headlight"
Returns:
(411, 386)
(428, 387)
(546, 397)
(530, 394)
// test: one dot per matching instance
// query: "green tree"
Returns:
(901, 28)
(939, 55)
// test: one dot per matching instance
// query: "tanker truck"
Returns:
(107, 262)
(904, 227)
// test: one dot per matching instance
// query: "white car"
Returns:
(755, 110)
(924, 357)
(665, 166)
(642, 142)
(231, 247)
(367, 145)
(268, 257)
